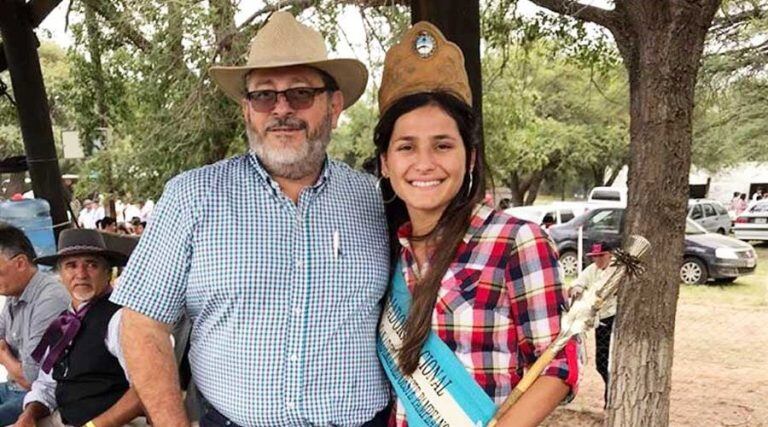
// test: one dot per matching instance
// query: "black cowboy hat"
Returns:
(80, 242)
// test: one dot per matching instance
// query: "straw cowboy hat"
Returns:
(83, 242)
(284, 42)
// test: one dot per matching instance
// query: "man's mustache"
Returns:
(290, 123)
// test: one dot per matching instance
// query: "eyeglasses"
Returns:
(299, 98)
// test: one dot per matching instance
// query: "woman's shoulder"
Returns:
(501, 223)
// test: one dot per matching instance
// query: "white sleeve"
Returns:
(112, 341)
(43, 390)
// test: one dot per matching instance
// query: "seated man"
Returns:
(82, 377)
(34, 299)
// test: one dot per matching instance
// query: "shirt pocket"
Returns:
(361, 276)
(472, 309)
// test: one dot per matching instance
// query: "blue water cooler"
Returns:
(33, 216)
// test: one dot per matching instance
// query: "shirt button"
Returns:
(289, 404)
(294, 358)
(299, 263)
(296, 312)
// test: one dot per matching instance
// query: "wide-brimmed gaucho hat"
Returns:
(285, 42)
(83, 242)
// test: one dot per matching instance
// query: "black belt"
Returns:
(213, 418)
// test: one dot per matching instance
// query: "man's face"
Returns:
(85, 276)
(603, 260)
(12, 276)
(291, 142)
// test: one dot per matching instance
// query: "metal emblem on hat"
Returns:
(424, 44)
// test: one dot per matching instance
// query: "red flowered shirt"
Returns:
(500, 302)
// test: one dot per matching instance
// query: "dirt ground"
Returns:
(719, 377)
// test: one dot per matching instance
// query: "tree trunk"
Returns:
(597, 175)
(661, 43)
(517, 193)
(614, 174)
(102, 110)
(533, 188)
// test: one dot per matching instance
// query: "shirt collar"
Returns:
(480, 214)
(477, 220)
(262, 173)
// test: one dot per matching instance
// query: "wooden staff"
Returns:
(583, 314)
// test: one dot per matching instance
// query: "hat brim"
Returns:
(598, 253)
(116, 259)
(350, 75)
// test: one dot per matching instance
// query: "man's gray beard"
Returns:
(289, 164)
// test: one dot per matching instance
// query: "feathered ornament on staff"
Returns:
(583, 314)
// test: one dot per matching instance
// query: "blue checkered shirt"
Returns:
(284, 298)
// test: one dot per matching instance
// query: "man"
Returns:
(601, 255)
(34, 299)
(81, 376)
(279, 257)
(90, 214)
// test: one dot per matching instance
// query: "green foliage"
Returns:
(552, 118)
(56, 74)
(731, 123)
(353, 141)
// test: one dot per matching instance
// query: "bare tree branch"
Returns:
(604, 17)
(282, 4)
(729, 20)
(119, 22)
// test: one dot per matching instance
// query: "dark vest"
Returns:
(89, 379)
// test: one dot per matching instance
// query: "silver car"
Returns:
(710, 214)
(752, 224)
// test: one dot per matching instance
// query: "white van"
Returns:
(607, 194)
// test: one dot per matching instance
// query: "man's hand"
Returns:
(25, 421)
(575, 292)
(5, 351)
(32, 412)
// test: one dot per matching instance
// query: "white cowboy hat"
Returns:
(283, 42)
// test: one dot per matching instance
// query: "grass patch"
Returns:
(749, 290)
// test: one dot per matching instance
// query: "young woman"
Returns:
(475, 294)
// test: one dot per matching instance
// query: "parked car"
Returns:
(545, 215)
(706, 256)
(607, 194)
(710, 214)
(752, 224)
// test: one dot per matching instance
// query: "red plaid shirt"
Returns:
(499, 305)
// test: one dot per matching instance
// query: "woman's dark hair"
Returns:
(453, 224)
(105, 222)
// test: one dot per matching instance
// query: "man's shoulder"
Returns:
(202, 178)
(49, 287)
(359, 180)
(48, 282)
(207, 172)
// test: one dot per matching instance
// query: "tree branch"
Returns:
(119, 23)
(275, 7)
(604, 17)
(729, 20)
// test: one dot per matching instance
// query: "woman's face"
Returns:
(425, 161)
